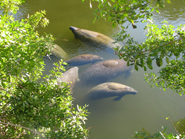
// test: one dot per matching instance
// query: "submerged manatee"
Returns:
(95, 38)
(70, 77)
(104, 70)
(83, 59)
(59, 52)
(110, 89)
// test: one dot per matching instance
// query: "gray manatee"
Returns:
(110, 89)
(104, 71)
(83, 59)
(70, 77)
(94, 38)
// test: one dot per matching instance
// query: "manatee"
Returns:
(110, 89)
(104, 71)
(70, 77)
(58, 52)
(95, 38)
(83, 59)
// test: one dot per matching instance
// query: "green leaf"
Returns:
(167, 60)
(145, 68)
(159, 62)
(149, 65)
(168, 1)
(136, 67)
(128, 63)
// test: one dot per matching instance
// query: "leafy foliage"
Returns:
(30, 106)
(144, 134)
(121, 11)
(180, 126)
(163, 45)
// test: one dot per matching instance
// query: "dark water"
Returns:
(112, 119)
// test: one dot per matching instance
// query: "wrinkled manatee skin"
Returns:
(104, 71)
(70, 77)
(110, 89)
(83, 59)
(93, 37)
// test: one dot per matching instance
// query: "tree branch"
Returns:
(23, 127)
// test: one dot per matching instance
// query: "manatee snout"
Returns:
(130, 90)
(73, 28)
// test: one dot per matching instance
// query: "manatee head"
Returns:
(92, 37)
(73, 28)
(83, 34)
(121, 88)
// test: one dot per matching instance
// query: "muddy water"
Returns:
(112, 119)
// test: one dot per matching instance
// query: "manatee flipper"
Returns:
(118, 98)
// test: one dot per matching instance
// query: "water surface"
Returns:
(112, 119)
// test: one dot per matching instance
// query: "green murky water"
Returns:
(112, 119)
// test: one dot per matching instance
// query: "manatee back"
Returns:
(83, 59)
(70, 77)
(59, 52)
(104, 71)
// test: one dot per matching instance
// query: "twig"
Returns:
(24, 128)
(162, 135)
